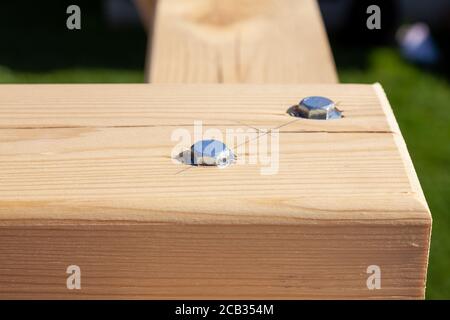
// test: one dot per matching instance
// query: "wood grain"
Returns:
(87, 177)
(239, 41)
(161, 261)
(259, 106)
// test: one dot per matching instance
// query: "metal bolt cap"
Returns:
(319, 108)
(211, 153)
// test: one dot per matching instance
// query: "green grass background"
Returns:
(420, 99)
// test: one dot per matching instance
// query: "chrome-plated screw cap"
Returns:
(211, 153)
(319, 108)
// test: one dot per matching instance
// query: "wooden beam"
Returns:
(239, 41)
(88, 178)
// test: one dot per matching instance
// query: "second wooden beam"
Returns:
(239, 41)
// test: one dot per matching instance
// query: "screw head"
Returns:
(211, 153)
(319, 108)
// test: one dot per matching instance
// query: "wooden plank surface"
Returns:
(264, 106)
(88, 178)
(239, 41)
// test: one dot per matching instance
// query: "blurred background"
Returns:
(408, 56)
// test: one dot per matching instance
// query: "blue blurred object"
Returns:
(417, 44)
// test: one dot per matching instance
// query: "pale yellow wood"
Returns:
(265, 106)
(87, 178)
(239, 41)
